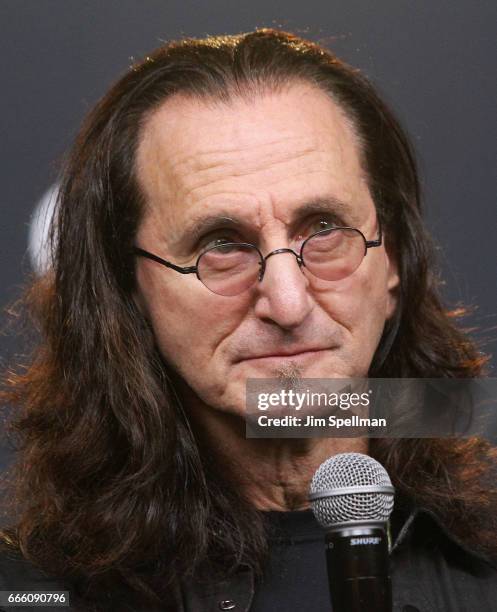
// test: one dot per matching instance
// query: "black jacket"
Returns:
(431, 572)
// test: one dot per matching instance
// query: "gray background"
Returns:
(434, 61)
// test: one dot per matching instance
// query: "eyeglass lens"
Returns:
(229, 270)
(329, 255)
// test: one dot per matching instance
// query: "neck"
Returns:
(273, 474)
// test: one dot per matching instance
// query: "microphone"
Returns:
(352, 497)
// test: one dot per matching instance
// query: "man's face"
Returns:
(269, 171)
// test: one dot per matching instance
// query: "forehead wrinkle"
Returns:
(196, 157)
(196, 171)
(211, 189)
(240, 161)
(212, 181)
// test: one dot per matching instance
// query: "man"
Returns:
(200, 194)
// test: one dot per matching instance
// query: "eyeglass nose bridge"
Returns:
(262, 263)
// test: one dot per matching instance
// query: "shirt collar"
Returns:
(416, 515)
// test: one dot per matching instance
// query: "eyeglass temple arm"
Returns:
(375, 243)
(168, 264)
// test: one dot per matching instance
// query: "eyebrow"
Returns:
(224, 219)
(330, 205)
(206, 224)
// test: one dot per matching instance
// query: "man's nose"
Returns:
(284, 296)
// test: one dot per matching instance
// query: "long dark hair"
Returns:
(111, 484)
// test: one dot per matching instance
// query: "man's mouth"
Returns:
(285, 354)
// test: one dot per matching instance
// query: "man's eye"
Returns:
(218, 241)
(319, 225)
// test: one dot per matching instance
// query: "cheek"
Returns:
(189, 322)
(358, 304)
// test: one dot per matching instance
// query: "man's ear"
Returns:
(393, 282)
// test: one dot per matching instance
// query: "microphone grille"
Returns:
(346, 470)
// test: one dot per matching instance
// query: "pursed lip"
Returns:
(281, 353)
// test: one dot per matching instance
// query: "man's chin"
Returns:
(294, 369)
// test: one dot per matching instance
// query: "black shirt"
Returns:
(431, 572)
(296, 577)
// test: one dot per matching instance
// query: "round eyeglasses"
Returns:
(233, 267)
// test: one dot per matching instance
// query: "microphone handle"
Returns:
(358, 569)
